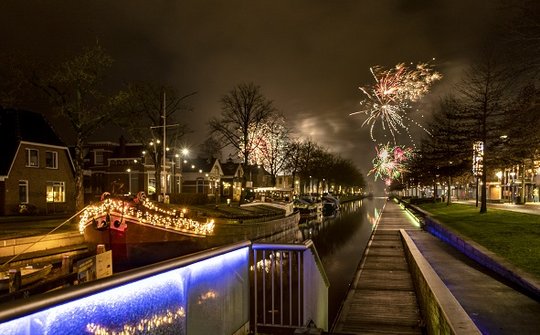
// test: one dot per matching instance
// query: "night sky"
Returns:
(308, 56)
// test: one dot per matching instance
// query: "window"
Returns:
(32, 157)
(23, 191)
(51, 159)
(56, 191)
(200, 186)
(98, 157)
(151, 185)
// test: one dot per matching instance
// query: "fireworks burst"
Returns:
(389, 98)
(390, 161)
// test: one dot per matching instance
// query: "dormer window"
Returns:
(51, 159)
(32, 158)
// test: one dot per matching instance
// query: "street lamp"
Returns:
(183, 153)
(513, 178)
(129, 182)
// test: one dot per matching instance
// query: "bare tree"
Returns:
(483, 98)
(211, 148)
(244, 111)
(271, 148)
(522, 140)
(522, 35)
(14, 80)
(147, 110)
(446, 152)
(75, 89)
(292, 162)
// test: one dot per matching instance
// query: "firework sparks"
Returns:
(389, 98)
(390, 161)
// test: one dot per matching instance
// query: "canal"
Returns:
(340, 242)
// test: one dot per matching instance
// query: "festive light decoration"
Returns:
(390, 162)
(389, 98)
(145, 212)
(266, 142)
(144, 326)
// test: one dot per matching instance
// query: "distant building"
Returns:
(117, 168)
(202, 176)
(36, 169)
(231, 182)
(257, 176)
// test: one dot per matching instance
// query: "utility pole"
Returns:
(164, 145)
(164, 158)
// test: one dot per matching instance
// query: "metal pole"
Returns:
(476, 191)
(164, 145)
(255, 292)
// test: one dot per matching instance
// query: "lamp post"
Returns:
(183, 153)
(512, 187)
(129, 182)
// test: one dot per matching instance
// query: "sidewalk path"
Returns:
(494, 306)
(529, 207)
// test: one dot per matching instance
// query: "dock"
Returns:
(382, 298)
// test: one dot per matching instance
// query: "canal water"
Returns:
(340, 242)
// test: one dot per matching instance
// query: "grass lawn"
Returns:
(514, 236)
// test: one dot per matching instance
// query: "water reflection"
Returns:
(340, 241)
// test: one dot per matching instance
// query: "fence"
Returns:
(203, 293)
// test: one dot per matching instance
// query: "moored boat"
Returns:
(330, 205)
(28, 275)
(141, 232)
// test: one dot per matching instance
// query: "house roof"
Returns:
(230, 168)
(205, 165)
(118, 150)
(20, 125)
(255, 169)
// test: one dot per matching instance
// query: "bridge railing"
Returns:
(290, 287)
(203, 293)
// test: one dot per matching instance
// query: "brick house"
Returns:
(115, 167)
(36, 169)
(123, 168)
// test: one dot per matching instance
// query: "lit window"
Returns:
(51, 159)
(56, 191)
(151, 185)
(32, 157)
(23, 191)
(98, 158)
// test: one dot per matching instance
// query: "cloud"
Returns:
(308, 56)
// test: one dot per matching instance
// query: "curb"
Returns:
(441, 310)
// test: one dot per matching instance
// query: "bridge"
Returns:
(210, 292)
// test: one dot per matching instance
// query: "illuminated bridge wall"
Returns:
(206, 293)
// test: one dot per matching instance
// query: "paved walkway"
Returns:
(529, 207)
(495, 306)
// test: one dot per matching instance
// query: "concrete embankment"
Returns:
(43, 248)
(441, 311)
(497, 296)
